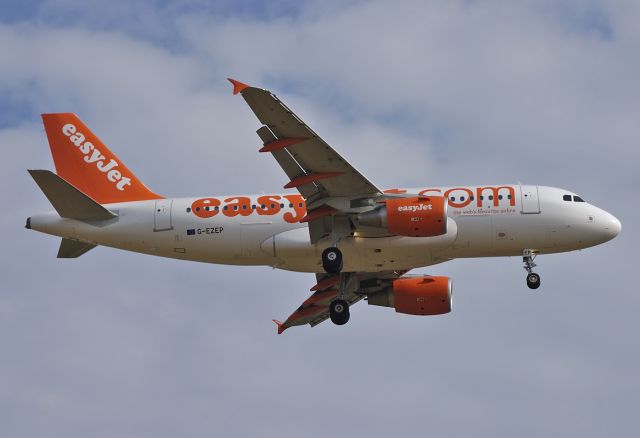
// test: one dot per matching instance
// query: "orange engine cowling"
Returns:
(422, 295)
(412, 217)
(416, 296)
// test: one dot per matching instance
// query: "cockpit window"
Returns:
(578, 199)
(566, 198)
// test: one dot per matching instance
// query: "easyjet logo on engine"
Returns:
(415, 208)
(92, 155)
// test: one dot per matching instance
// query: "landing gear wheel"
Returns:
(533, 280)
(339, 312)
(332, 260)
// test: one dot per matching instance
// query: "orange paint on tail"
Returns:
(86, 163)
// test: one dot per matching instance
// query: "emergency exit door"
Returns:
(530, 200)
(162, 215)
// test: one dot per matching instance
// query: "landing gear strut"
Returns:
(533, 279)
(332, 264)
(332, 260)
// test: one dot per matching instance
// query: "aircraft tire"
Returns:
(332, 260)
(533, 280)
(339, 312)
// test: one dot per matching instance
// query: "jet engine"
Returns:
(416, 296)
(412, 217)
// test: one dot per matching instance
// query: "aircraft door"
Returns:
(529, 199)
(162, 215)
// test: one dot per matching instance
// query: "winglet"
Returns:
(281, 326)
(238, 86)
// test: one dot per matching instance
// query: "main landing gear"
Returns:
(332, 264)
(339, 311)
(533, 279)
(332, 260)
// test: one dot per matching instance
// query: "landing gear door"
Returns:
(529, 199)
(162, 215)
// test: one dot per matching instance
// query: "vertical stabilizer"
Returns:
(85, 162)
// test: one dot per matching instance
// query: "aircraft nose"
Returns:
(612, 226)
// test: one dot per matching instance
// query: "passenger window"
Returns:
(508, 196)
(578, 199)
(461, 198)
(188, 209)
(566, 198)
(281, 205)
(224, 208)
(453, 198)
(472, 198)
(490, 197)
(291, 205)
(500, 197)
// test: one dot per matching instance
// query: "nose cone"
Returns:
(612, 226)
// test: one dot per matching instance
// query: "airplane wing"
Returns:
(313, 167)
(315, 309)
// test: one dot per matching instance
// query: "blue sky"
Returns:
(413, 94)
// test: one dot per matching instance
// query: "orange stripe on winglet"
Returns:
(318, 213)
(309, 178)
(281, 326)
(281, 144)
(238, 86)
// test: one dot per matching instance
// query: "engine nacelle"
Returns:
(416, 296)
(412, 217)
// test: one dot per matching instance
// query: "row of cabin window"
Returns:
(472, 198)
(244, 207)
(575, 198)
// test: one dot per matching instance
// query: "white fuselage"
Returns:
(484, 221)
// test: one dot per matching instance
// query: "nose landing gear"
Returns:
(533, 279)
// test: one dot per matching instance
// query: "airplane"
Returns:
(358, 240)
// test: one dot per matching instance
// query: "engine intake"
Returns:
(412, 217)
(416, 296)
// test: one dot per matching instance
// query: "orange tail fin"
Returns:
(86, 163)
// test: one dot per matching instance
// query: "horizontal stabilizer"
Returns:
(68, 201)
(70, 249)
